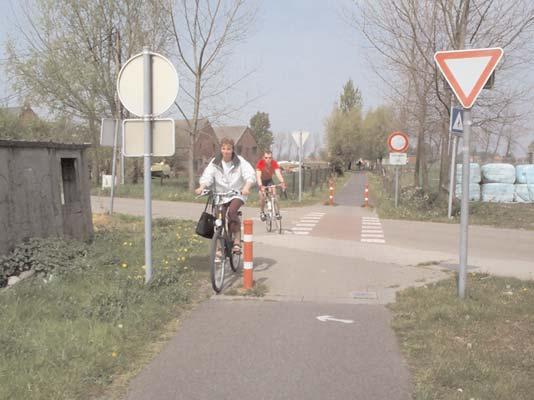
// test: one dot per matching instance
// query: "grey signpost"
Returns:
(109, 136)
(398, 145)
(466, 71)
(153, 97)
(300, 138)
(456, 129)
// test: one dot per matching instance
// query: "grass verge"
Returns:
(74, 335)
(429, 208)
(479, 348)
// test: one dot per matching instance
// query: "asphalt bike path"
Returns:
(321, 332)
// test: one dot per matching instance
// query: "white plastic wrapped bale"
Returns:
(474, 173)
(498, 192)
(524, 193)
(474, 191)
(498, 173)
(524, 173)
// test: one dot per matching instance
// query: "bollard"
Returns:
(366, 196)
(331, 188)
(248, 281)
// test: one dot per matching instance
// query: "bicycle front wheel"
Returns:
(235, 259)
(278, 216)
(217, 261)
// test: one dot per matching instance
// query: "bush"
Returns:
(43, 256)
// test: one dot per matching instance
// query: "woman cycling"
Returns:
(227, 172)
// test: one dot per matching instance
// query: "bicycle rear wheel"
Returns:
(218, 260)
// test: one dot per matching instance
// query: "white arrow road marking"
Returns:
(324, 318)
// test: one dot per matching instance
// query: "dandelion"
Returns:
(183, 258)
(185, 268)
(120, 326)
(143, 266)
(124, 265)
(166, 262)
(130, 243)
(113, 354)
(125, 244)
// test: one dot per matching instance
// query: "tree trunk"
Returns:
(193, 133)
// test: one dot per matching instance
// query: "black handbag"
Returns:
(206, 223)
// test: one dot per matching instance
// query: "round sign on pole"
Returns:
(398, 142)
(164, 84)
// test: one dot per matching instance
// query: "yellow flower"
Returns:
(124, 265)
(185, 250)
(125, 244)
(142, 266)
(113, 354)
(166, 262)
(183, 258)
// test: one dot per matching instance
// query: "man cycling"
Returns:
(226, 172)
(265, 169)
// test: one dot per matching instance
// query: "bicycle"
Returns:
(222, 241)
(272, 209)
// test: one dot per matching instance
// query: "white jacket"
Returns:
(240, 173)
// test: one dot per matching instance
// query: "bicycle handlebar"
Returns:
(207, 192)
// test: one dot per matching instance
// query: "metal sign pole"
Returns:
(300, 166)
(452, 179)
(122, 168)
(464, 217)
(396, 186)
(147, 86)
(113, 166)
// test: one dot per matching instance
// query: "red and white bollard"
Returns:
(331, 194)
(366, 196)
(248, 281)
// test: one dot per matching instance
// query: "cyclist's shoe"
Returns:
(263, 217)
(278, 216)
(236, 249)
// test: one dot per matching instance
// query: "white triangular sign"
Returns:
(467, 71)
(296, 137)
(458, 124)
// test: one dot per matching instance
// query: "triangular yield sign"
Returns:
(467, 71)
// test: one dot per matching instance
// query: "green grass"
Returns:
(77, 334)
(501, 215)
(175, 189)
(478, 348)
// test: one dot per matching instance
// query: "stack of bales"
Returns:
(498, 183)
(474, 180)
(524, 186)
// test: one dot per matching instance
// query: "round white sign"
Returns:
(398, 142)
(164, 84)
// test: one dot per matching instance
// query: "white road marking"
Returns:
(372, 230)
(373, 241)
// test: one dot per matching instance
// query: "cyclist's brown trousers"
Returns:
(234, 224)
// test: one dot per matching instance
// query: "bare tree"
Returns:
(407, 33)
(70, 57)
(204, 33)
